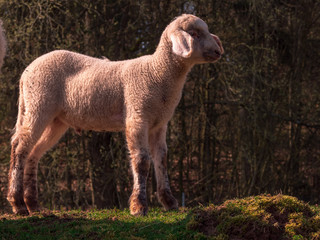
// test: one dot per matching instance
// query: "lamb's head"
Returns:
(192, 40)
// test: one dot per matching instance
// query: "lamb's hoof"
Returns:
(32, 206)
(173, 207)
(18, 205)
(167, 200)
(20, 211)
(138, 206)
(138, 211)
(34, 211)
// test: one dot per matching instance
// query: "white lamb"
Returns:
(63, 89)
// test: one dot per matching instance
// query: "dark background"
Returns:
(248, 124)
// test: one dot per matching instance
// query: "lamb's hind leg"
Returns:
(22, 143)
(15, 191)
(158, 148)
(28, 131)
(50, 136)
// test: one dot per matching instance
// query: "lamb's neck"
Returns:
(169, 69)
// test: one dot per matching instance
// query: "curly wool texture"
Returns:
(95, 94)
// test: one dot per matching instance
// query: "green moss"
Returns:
(263, 216)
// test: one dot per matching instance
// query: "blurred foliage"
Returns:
(246, 125)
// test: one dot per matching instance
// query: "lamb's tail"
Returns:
(3, 44)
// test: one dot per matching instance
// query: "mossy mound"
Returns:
(259, 217)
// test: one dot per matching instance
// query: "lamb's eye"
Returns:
(194, 34)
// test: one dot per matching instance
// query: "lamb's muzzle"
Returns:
(64, 89)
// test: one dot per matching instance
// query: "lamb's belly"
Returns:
(113, 123)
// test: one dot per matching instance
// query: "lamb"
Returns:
(64, 89)
(3, 45)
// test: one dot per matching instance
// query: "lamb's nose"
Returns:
(218, 53)
(217, 39)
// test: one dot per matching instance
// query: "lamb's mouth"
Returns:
(212, 56)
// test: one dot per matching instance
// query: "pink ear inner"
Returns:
(182, 43)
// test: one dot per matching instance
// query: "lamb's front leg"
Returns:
(137, 140)
(158, 148)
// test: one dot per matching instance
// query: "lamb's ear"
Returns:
(181, 43)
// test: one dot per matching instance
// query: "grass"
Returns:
(258, 217)
(97, 224)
